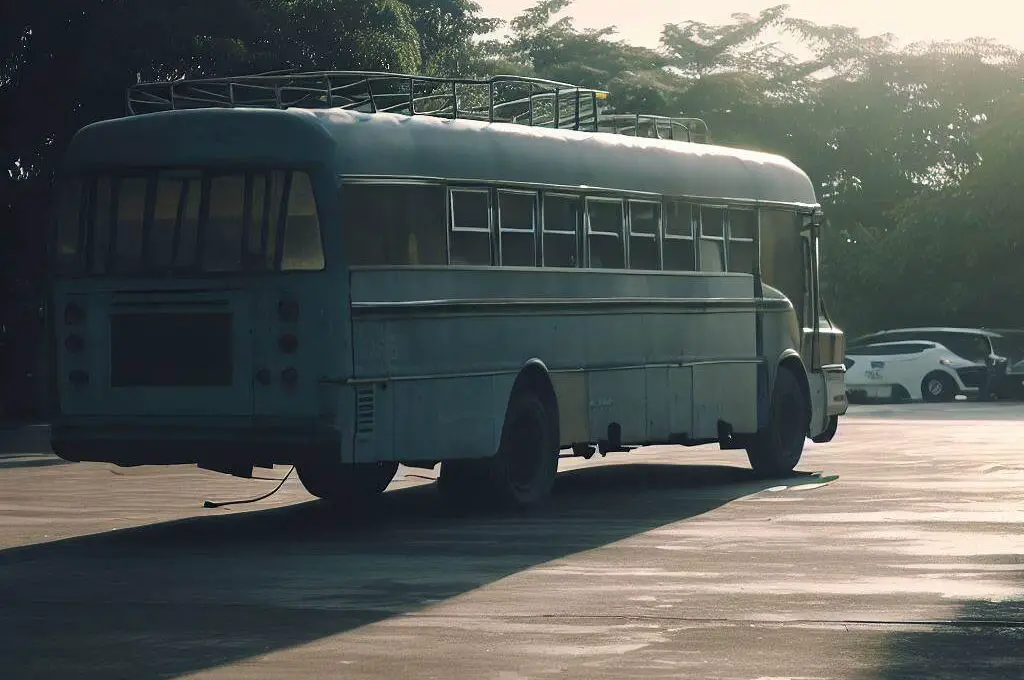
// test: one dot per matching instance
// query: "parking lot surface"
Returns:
(897, 551)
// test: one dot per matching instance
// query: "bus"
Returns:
(301, 275)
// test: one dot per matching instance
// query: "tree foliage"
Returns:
(66, 63)
(911, 147)
(914, 150)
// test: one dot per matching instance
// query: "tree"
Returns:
(66, 63)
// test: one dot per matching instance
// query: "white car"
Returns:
(909, 369)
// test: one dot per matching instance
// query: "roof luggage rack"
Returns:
(658, 127)
(498, 99)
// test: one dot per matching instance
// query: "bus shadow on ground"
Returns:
(172, 598)
(985, 640)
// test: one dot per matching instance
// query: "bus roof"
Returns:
(393, 145)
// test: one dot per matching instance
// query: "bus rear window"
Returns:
(223, 222)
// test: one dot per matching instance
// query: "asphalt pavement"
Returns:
(896, 551)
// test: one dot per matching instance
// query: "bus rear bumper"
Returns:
(224, 445)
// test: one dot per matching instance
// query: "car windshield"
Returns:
(1009, 346)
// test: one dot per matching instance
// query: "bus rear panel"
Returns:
(190, 317)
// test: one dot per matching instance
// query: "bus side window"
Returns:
(517, 218)
(679, 252)
(303, 246)
(782, 256)
(604, 233)
(470, 242)
(394, 224)
(644, 225)
(712, 239)
(559, 235)
(742, 245)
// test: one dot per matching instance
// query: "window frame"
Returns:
(589, 230)
(692, 237)
(577, 201)
(723, 239)
(486, 190)
(502, 230)
(95, 257)
(753, 240)
(656, 236)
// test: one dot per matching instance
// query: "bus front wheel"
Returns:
(778, 446)
(522, 472)
(340, 483)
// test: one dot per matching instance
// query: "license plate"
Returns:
(171, 350)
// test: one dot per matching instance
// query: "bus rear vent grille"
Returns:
(364, 411)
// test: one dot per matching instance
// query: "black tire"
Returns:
(938, 386)
(829, 433)
(777, 447)
(522, 472)
(346, 484)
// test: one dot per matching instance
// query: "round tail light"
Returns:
(74, 343)
(288, 343)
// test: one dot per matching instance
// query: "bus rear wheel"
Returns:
(349, 484)
(522, 472)
(777, 447)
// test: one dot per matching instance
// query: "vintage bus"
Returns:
(345, 290)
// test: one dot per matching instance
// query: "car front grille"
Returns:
(972, 376)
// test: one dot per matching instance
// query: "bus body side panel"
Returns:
(782, 333)
(437, 351)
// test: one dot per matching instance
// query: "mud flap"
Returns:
(819, 401)
(835, 388)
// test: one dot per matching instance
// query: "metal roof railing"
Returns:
(507, 99)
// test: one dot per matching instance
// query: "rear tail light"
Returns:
(288, 343)
(74, 343)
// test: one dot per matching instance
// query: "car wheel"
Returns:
(938, 386)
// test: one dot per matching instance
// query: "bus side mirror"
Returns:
(813, 220)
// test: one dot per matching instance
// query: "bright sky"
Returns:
(640, 21)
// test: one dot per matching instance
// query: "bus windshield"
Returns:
(131, 224)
